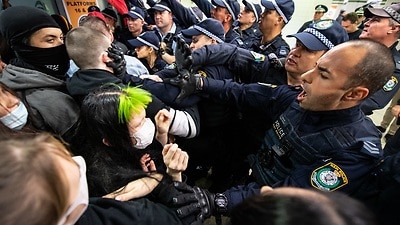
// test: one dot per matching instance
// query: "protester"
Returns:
(41, 64)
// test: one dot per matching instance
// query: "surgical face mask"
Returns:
(144, 136)
(81, 202)
(17, 118)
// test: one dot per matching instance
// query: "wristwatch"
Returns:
(221, 203)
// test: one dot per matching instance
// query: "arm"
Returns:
(205, 6)
(163, 122)
(102, 211)
(182, 14)
(242, 62)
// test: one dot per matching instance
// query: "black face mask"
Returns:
(52, 61)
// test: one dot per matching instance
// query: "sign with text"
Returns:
(77, 9)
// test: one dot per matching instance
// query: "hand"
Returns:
(147, 163)
(156, 78)
(163, 121)
(136, 189)
(396, 111)
(118, 63)
(176, 161)
(183, 55)
(188, 83)
(196, 204)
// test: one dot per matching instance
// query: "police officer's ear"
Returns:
(280, 20)
(395, 29)
(228, 18)
(356, 94)
(253, 19)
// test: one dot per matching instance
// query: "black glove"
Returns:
(165, 192)
(183, 55)
(195, 204)
(186, 80)
(118, 64)
(188, 83)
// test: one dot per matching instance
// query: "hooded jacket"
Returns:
(52, 109)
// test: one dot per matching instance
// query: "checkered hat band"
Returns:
(208, 33)
(147, 43)
(279, 11)
(320, 36)
(137, 14)
(393, 13)
(229, 9)
(163, 6)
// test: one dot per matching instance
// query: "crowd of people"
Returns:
(174, 114)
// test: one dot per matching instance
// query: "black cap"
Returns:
(110, 13)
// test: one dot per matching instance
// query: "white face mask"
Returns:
(81, 202)
(17, 118)
(144, 136)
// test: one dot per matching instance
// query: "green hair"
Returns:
(131, 101)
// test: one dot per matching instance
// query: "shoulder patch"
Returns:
(257, 56)
(202, 73)
(328, 177)
(171, 66)
(390, 84)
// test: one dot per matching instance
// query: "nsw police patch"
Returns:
(258, 57)
(328, 177)
(392, 82)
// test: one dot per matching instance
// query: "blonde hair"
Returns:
(34, 190)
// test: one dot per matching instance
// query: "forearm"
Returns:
(185, 123)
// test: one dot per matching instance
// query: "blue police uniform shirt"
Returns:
(382, 97)
(342, 168)
(249, 37)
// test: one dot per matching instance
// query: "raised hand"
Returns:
(176, 161)
(118, 63)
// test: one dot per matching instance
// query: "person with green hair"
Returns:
(116, 138)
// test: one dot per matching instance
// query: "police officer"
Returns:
(319, 12)
(247, 25)
(166, 28)
(135, 25)
(274, 18)
(226, 11)
(383, 26)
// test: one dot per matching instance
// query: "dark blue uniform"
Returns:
(216, 145)
(246, 65)
(382, 97)
(247, 38)
(330, 150)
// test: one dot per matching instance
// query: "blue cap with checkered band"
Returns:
(322, 35)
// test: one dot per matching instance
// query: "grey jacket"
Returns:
(51, 109)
